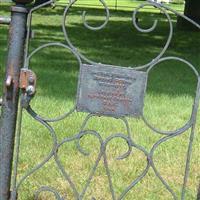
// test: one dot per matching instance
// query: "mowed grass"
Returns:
(118, 4)
(168, 105)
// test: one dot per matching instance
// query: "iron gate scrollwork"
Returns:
(117, 105)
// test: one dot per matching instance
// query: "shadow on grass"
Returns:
(118, 44)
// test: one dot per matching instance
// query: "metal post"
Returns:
(17, 35)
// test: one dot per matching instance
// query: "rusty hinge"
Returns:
(27, 84)
(28, 81)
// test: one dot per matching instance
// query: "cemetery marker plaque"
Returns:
(112, 91)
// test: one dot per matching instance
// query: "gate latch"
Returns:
(28, 81)
(27, 84)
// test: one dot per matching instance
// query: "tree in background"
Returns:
(38, 2)
(192, 10)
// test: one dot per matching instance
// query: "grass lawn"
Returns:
(119, 4)
(168, 105)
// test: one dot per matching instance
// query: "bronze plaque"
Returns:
(112, 91)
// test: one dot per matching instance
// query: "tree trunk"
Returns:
(38, 2)
(192, 10)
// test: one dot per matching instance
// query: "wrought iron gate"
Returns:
(103, 90)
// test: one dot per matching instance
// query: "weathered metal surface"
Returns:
(27, 79)
(10, 97)
(27, 84)
(109, 90)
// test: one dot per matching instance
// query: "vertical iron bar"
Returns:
(17, 35)
(191, 139)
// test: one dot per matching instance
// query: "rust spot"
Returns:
(27, 78)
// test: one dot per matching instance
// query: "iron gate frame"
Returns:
(19, 59)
